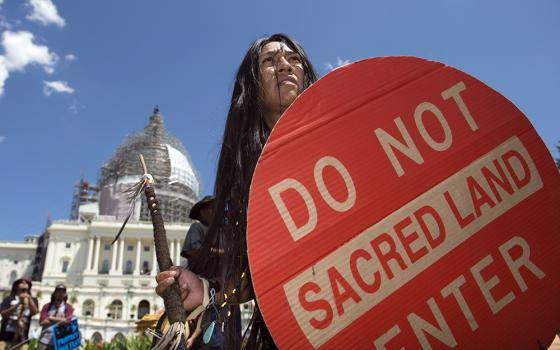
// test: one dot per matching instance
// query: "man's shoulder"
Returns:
(198, 227)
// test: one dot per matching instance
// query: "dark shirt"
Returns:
(9, 322)
(194, 239)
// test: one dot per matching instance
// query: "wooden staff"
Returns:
(174, 336)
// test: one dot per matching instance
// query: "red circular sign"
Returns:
(401, 203)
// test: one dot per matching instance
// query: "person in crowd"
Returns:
(274, 71)
(58, 312)
(201, 212)
(17, 310)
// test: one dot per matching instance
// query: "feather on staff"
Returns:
(174, 337)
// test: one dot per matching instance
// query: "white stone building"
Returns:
(16, 260)
(110, 286)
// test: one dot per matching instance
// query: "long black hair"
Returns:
(244, 137)
(53, 295)
(16, 284)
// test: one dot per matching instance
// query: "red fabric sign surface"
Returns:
(401, 203)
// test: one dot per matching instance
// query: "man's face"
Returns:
(206, 214)
(282, 75)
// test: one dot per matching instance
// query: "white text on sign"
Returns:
(409, 148)
(276, 195)
(352, 280)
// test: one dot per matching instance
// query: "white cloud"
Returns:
(20, 51)
(70, 57)
(44, 12)
(2, 139)
(339, 63)
(58, 86)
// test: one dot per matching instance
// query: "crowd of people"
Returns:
(18, 308)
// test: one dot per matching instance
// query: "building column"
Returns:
(90, 255)
(177, 252)
(174, 256)
(138, 250)
(114, 258)
(96, 255)
(100, 309)
(172, 251)
(154, 262)
(121, 257)
(49, 257)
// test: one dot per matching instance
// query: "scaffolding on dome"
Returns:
(176, 180)
(84, 193)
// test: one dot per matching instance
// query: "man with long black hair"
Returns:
(274, 71)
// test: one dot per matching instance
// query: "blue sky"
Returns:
(77, 76)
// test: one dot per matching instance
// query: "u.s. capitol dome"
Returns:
(177, 183)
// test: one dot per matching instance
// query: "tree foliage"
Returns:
(134, 342)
